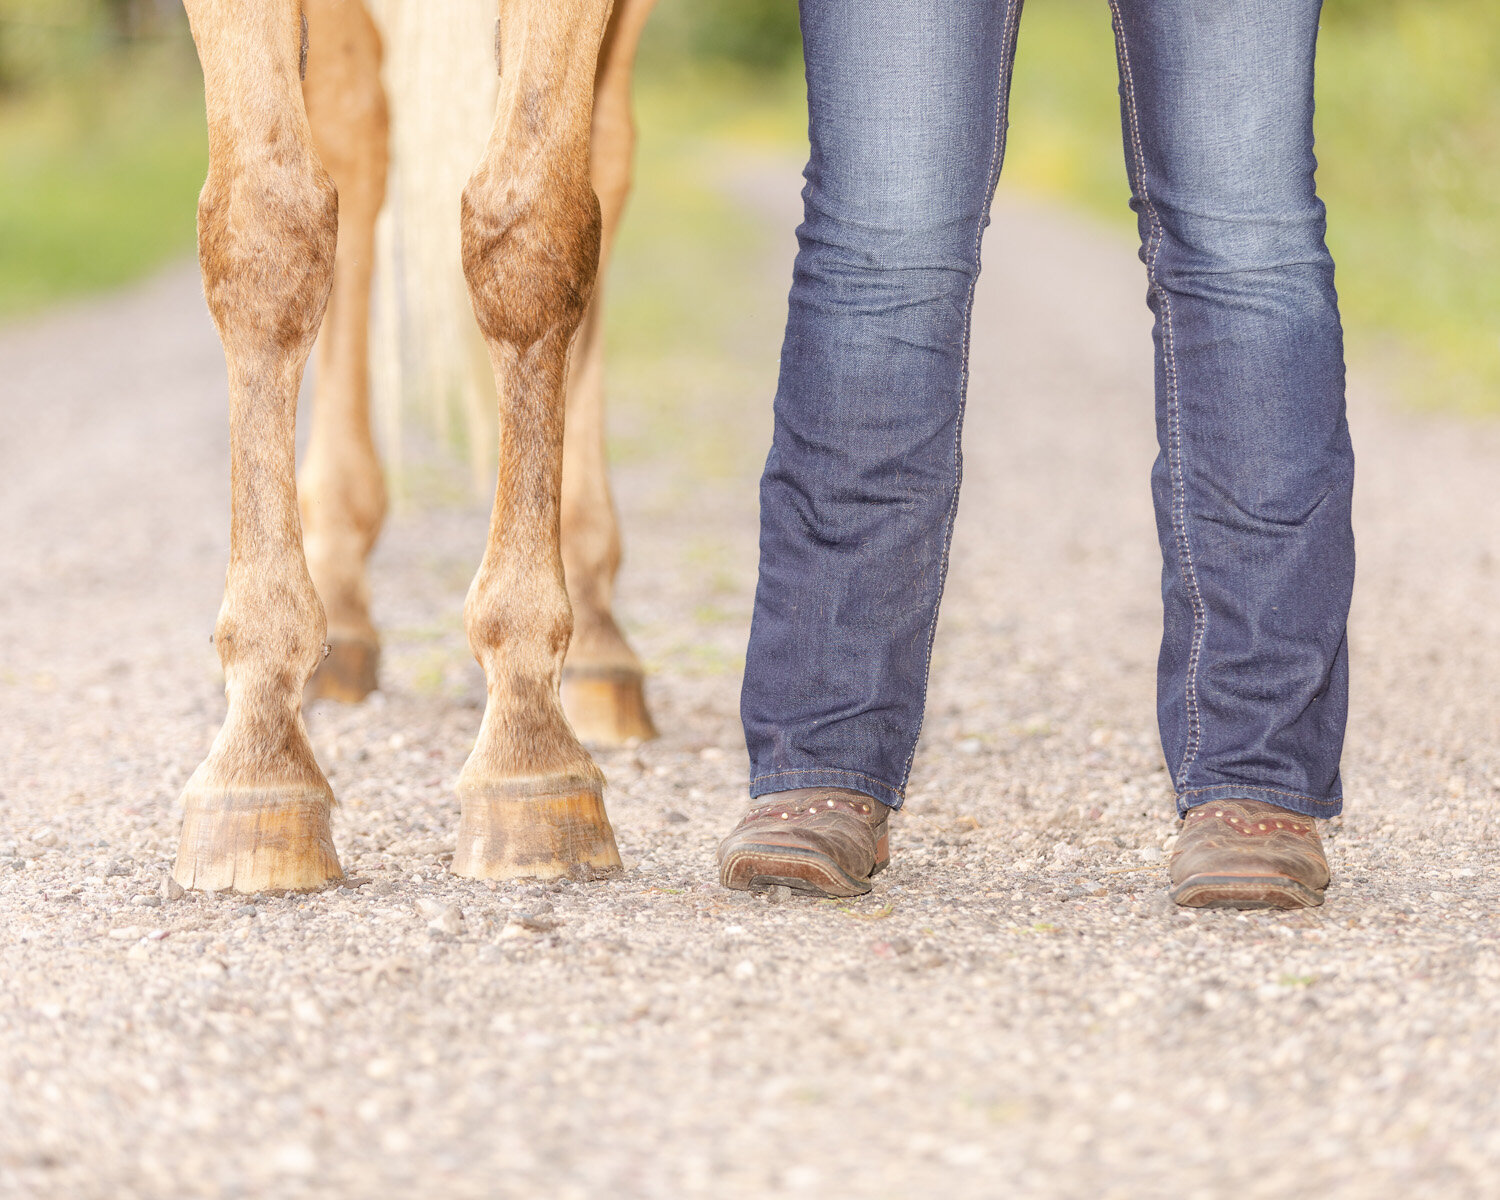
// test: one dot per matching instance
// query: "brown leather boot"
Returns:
(1247, 854)
(825, 841)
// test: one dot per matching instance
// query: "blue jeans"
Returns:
(1252, 486)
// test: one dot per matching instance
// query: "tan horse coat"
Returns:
(286, 241)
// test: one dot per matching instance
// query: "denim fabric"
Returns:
(1252, 487)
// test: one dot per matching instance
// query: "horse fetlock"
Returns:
(277, 639)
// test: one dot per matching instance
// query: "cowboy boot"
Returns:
(1247, 854)
(824, 841)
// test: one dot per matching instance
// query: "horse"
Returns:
(298, 132)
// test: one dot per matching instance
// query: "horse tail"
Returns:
(429, 366)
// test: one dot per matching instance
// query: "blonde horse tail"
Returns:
(428, 362)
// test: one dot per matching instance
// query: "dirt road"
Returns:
(1015, 1011)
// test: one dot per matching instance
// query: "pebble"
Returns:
(245, 910)
(448, 919)
(429, 909)
(308, 1011)
(294, 1158)
(146, 901)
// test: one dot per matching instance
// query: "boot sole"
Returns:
(1244, 891)
(757, 868)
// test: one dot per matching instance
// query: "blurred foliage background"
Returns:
(102, 151)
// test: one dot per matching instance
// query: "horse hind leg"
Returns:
(257, 809)
(602, 683)
(341, 489)
(531, 796)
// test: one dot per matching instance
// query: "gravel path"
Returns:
(1014, 1011)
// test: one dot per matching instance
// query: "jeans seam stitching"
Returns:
(825, 770)
(997, 154)
(1174, 417)
(1255, 787)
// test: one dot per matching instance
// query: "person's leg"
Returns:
(907, 126)
(1254, 480)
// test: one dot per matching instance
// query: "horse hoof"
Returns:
(546, 828)
(606, 706)
(349, 673)
(254, 840)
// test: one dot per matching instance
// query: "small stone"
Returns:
(125, 933)
(744, 969)
(450, 921)
(308, 1011)
(970, 745)
(245, 910)
(294, 1158)
(1149, 854)
(429, 909)
(117, 868)
(674, 817)
(171, 890)
(43, 836)
(146, 901)
(534, 922)
(778, 894)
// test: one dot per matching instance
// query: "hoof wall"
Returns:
(606, 707)
(534, 829)
(348, 674)
(256, 841)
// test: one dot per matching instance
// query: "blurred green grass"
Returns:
(102, 154)
(102, 149)
(1408, 128)
(694, 324)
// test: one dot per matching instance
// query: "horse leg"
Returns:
(257, 809)
(341, 488)
(532, 798)
(602, 679)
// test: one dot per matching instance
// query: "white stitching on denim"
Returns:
(1174, 411)
(823, 771)
(997, 155)
(1256, 788)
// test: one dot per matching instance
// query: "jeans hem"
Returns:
(1308, 806)
(785, 781)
